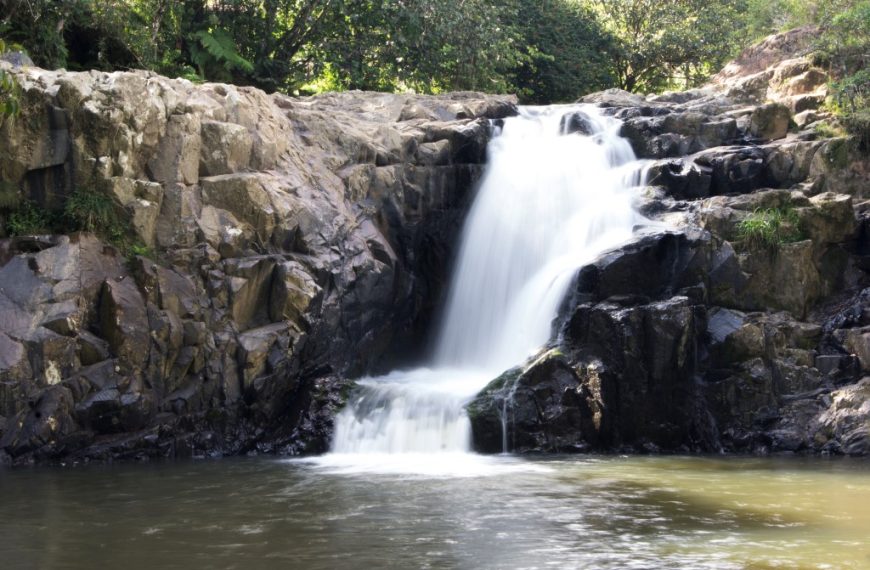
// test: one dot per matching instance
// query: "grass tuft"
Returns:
(768, 229)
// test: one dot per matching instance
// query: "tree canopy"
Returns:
(545, 50)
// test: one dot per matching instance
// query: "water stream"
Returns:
(550, 201)
(593, 513)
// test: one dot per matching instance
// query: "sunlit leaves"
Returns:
(9, 104)
(668, 44)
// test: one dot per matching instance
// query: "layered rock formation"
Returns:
(294, 244)
(699, 338)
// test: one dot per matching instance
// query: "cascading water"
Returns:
(549, 202)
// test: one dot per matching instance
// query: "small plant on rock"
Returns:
(90, 211)
(827, 130)
(29, 219)
(768, 229)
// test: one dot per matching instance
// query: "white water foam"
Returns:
(549, 202)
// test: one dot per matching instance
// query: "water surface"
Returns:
(605, 512)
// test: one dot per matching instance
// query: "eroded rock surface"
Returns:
(697, 338)
(296, 243)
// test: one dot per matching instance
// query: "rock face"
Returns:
(695, 338)
(299, 243)
(296, 243)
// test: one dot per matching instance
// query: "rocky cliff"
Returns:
(288, 245)
(282, 247)
(742, 324)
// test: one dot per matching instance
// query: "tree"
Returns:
(660, 44)
(424, 45)
(565, 50)
(844, 47)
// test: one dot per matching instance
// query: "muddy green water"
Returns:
(597, 513)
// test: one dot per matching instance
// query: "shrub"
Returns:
(858, 124)
(29, 219)
(827, 130)
(90, 211)
(85, 210)
(844, 45)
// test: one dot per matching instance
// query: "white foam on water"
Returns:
(549, 203)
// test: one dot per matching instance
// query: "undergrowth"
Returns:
(29, 219)
(85, 210)
(826, 130)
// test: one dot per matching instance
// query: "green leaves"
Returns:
(9, 91)
(844, 47)
(218, 48)
(29, 219)
(544, 50)
(675, 44)
(9, 105)
(565, 52)
(90, 211)
(768, 229)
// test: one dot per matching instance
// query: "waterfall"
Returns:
(557, 191)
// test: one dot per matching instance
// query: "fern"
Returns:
(218, 48)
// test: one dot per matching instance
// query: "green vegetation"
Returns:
(826, 130)
(678, 43)
(85, 210)
(29, 219)
(544, 50)
(845, 45)
(89, 211)
(768, 229)
(559, 62)
(9, 105)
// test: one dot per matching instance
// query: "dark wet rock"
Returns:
(124, 321)
(642, 361)
(545, 407)
(681, 179)
(789, 162)
(844, 427)
(677, 134)
(855, 312)
(655, 266)
(576, 122)
(42, 426)
(621, 378)
(110, 411)
(734, 170)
